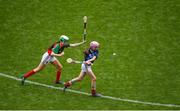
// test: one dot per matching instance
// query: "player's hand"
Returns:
(52, 53)
(86, 52)
(87, 62)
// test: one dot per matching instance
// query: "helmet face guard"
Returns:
(63, 38)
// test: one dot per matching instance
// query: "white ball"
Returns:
(114, 54)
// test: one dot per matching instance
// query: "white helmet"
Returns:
(94, 44)
(63, 38)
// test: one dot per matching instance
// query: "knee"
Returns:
(94, 79)
(37, 69)
(59, 68)
(79, 79)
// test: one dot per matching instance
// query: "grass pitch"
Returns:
(144, 34)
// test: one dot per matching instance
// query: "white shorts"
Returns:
(46, 58)
(85, 68)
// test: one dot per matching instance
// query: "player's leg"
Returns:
(45, 59)
(93, 82)
(81, 75)
(76, 79)
(37, 69)
(32, 72)
(58, 66)
(79, 78)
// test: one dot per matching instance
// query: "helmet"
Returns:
(63, 38)
(94, 44)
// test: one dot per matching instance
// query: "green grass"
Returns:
(143, 33)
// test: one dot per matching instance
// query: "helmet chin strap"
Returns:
(90, 49)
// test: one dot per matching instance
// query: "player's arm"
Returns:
(90, 60)
(58, 55)
(77, 44)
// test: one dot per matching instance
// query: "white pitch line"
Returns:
(79, 92)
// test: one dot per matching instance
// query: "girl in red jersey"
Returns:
(56, 50)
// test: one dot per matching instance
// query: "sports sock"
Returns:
(30, 73)
(58, 76)
(93, 91)
(93, 87)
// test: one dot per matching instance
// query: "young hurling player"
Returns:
(56, 50)
(91, 55)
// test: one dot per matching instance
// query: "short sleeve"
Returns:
(96, 53)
